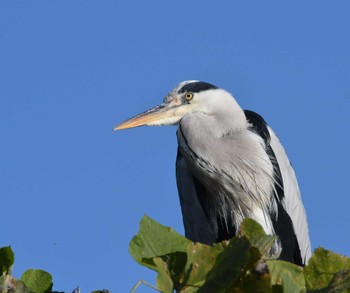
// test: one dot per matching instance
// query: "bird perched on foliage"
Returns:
(230, 165)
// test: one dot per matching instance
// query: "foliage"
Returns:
(239, 265)
(37, 281)
(32, 281)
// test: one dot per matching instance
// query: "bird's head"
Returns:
(186, 98)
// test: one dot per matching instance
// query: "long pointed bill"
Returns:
(159, 115)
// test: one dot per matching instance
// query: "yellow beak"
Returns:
(163, 114)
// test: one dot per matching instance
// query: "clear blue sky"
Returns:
(73, 192)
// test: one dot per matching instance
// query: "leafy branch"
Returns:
(32, 281)
(241, 264)
(238, 265)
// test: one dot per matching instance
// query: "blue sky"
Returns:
(73, 192)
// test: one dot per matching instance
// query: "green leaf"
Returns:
(323, 267)
(229, 266)
(201, 259)
(155, 240)
(37, 281)
(340, 282)
(256, 281)
(257, 236)
(7, 259)
(176, 263)
(164, 280)
(161, 249)
(287, 275)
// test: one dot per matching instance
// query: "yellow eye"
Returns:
(189, 96)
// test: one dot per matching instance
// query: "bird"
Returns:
(230, 166)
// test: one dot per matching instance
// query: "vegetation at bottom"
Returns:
(241, 264)
(238, 265)
(32, 281)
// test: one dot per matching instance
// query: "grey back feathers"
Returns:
(292, 201)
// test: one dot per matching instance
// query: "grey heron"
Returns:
(230, 165)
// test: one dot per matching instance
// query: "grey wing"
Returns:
(196, 223)
(292, 201)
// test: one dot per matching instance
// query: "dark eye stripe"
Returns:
(196, 87)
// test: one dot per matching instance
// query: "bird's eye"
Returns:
(189, 96)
